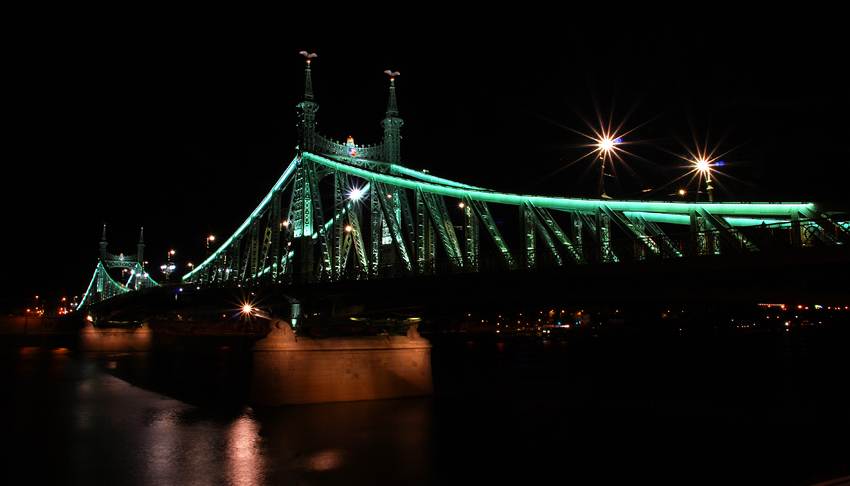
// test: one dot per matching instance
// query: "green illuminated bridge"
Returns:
(342, 212)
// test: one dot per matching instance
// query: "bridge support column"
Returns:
(91, 339)
(290, 371)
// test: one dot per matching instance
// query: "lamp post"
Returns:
(605, 147)
(168, 267)
(704, 167)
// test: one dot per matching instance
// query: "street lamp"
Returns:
(355, 194)
(605, 146)
(168, 267)
(703, 166)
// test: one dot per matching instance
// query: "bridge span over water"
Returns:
(352, 224)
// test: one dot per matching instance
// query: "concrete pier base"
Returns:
(307, 370)
(91, 339)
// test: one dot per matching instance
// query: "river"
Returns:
(715, 408)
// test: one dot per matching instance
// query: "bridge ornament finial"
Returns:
(392, 105)
(308, 80)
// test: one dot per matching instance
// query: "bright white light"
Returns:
(355, 194)
(606, 144)
(703, 165)
(246, 309)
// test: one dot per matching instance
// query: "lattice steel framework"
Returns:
(342, 211)
(103, 286)
(330, 219)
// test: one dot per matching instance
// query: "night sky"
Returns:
(184, 130)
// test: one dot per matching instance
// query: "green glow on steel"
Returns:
(748, 214)
(397, 169)
(748, 210)
(684, 219)
(283, 178)
(88, 290)
(363, 190)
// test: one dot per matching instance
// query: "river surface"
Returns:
(757, 408)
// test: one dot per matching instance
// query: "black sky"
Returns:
(184, 130)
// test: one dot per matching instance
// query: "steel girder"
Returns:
(410, 227)
(102, 287)
(482, 211)
(391, 216)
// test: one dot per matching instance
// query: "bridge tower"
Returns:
(307, 112)
(103, 286)
(392, 127)
(344, 212)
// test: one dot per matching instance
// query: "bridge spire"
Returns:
(392, 125)
(141, 255)
(307, 108)
(103, 244)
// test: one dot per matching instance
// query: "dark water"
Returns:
(760, 408)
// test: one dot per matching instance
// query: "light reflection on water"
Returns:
(244, 457)
(504, 410)
(104, 430)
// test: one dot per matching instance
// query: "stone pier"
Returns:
(290, 370)
(92, 339)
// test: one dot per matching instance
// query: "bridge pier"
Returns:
(290, 371)
(92, 339)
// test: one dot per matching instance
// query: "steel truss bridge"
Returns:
(103, 286)
(341, 212)
(377, 220)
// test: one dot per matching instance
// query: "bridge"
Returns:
(352, 222)
(349, 234)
